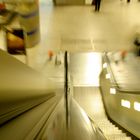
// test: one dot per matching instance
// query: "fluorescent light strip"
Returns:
(137, 106)
(125, 103)
(107, 76)
(112, 91)
(105, 65)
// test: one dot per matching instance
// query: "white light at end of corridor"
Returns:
(112, 91)
(105, 65)
(137, 106)
(125, 103)
(107, 76)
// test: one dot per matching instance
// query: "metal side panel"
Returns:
(121, 106)
(28, 125)
(21, 87)
(79, 126)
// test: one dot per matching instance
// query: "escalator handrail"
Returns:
(113, 80)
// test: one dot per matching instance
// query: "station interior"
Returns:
(68, 71)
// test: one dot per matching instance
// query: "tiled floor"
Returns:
(81, 29)
(67, 27)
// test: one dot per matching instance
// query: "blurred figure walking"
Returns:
(50, 55)
(97, 5)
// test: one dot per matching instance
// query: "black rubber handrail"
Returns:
(66, 85)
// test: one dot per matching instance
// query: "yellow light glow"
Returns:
(107, 76)
(85, 116)
(91, 70)
(137, 106)
(105, 65)
(125, 103)
(112, 91)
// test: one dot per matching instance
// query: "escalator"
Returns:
(37, 109)
(55, 117)
(119, 85)
(84, 68)
(89, 98)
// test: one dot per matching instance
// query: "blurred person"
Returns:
(137, 44)
(93, 2)
(116, 57)
(57, 59)
(123, 54)
(2, 6)
(97, 5)
(50, 54)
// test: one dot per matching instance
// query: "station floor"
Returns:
(80, 30)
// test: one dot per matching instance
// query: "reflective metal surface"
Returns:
(85, 68)
(21, 87)
(123, 105)
(79, 127)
